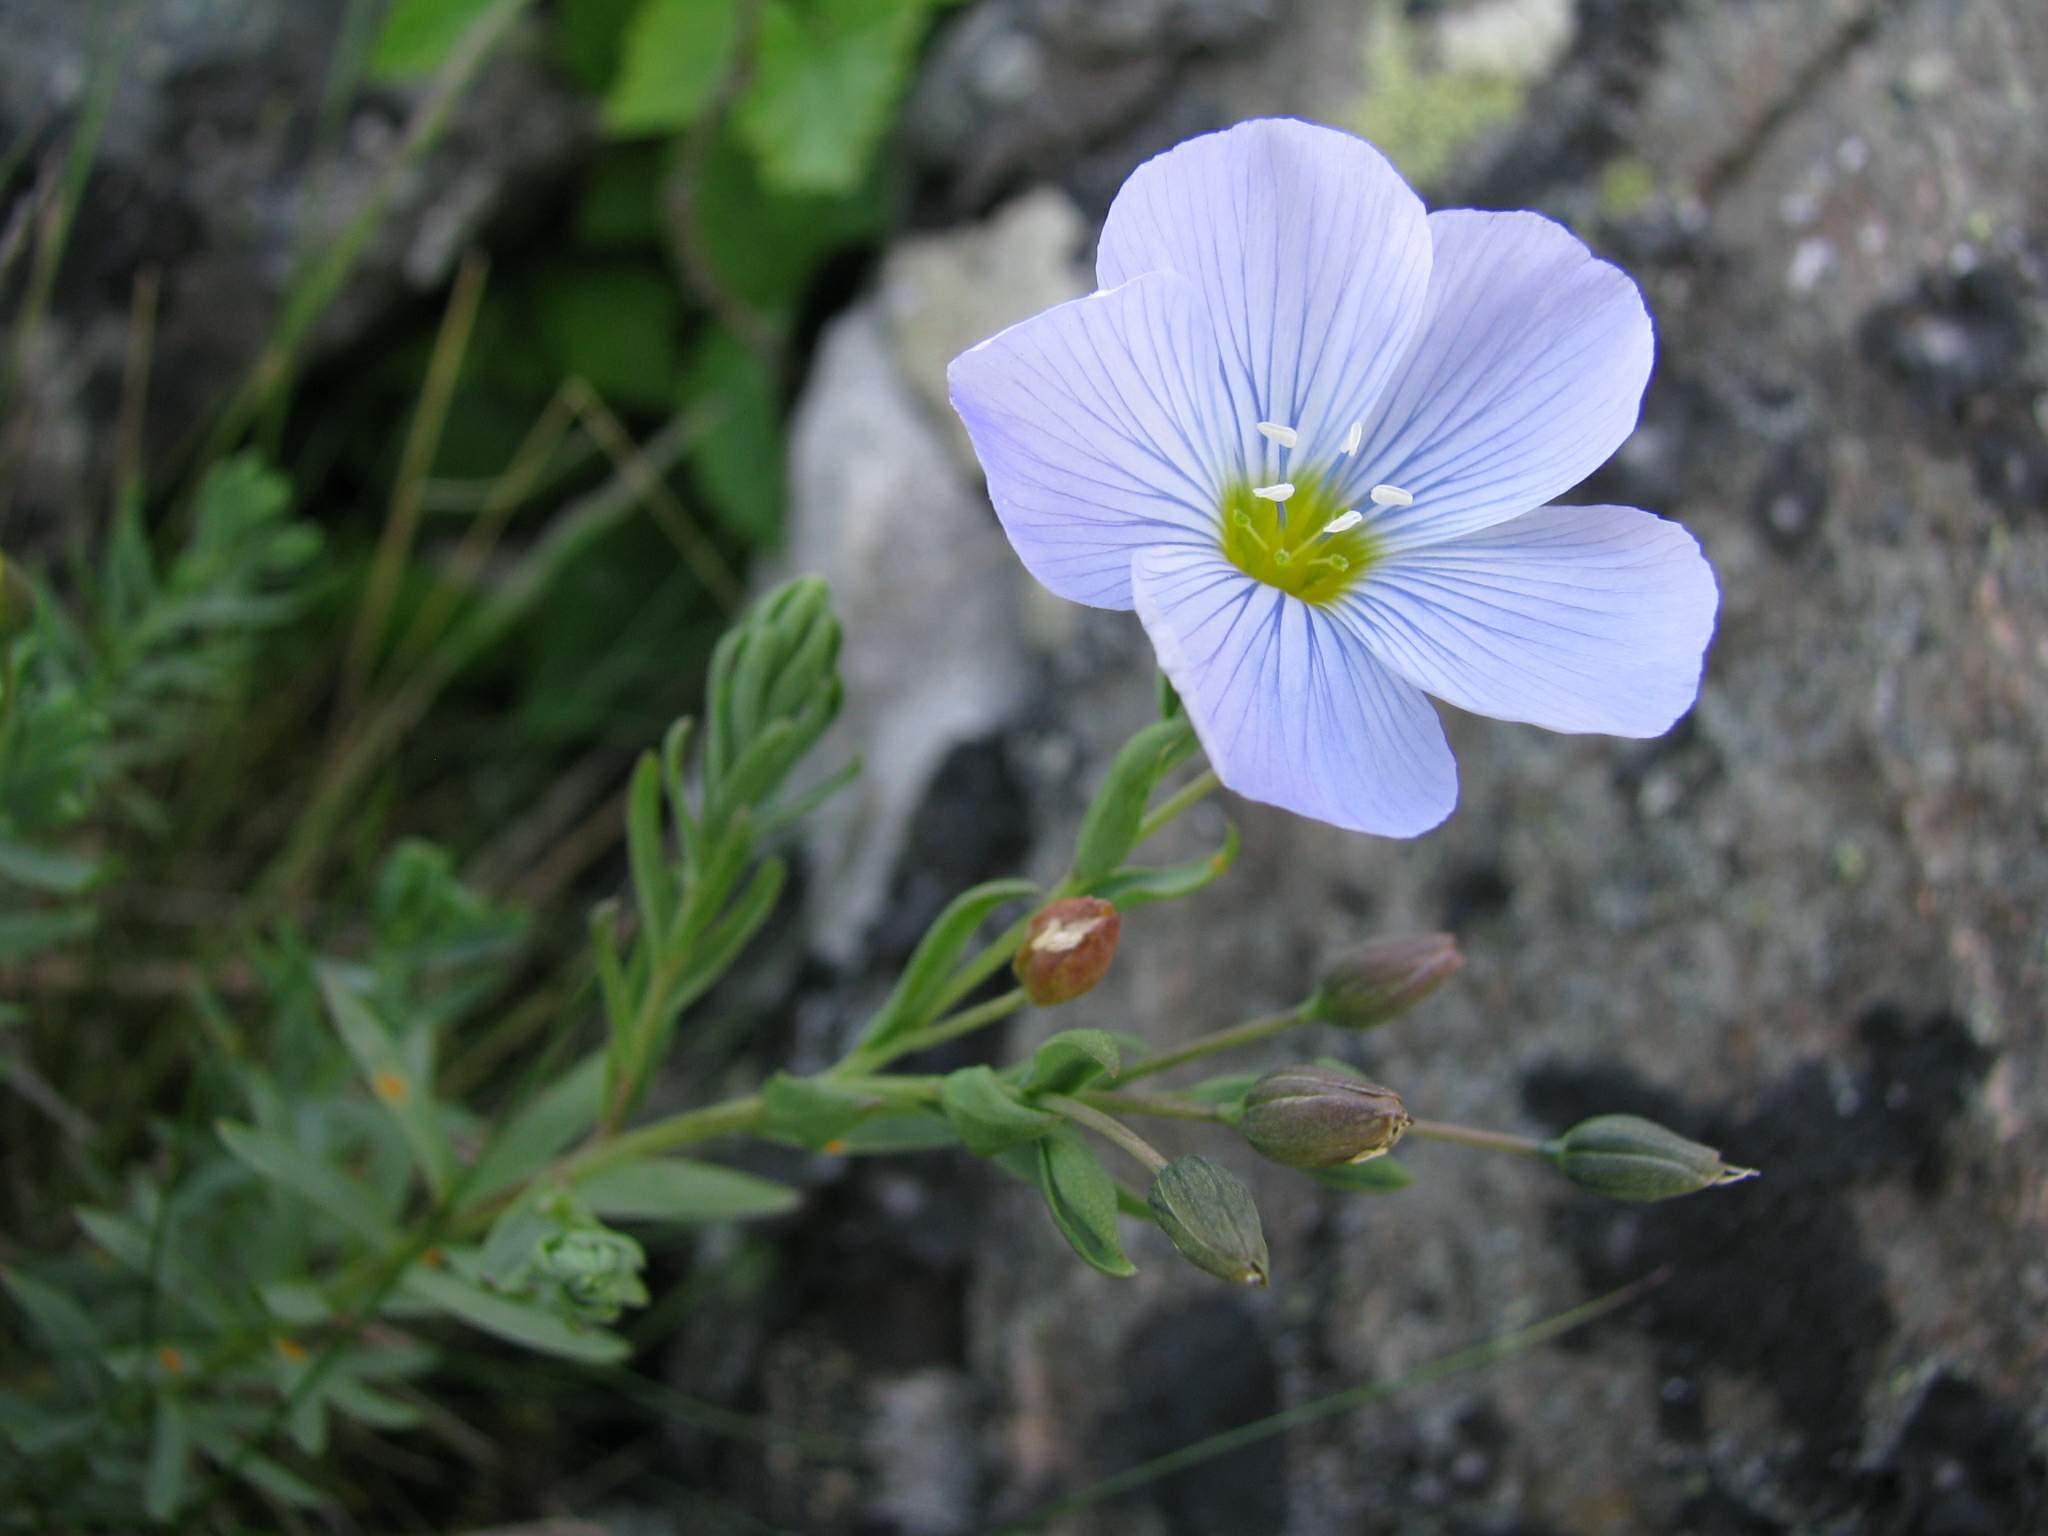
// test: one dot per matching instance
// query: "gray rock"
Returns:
(924, 1440)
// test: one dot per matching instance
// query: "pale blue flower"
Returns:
(1308, 432)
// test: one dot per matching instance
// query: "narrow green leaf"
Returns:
(1081, 1196)
(167, 1475)
(557, 1115)
(810, 1113)
(54, 870)
(401, 1087)
(325, 1187)
(515, 1321)
(28, 933)
(1072, 1059)
(1109, 830)
(1135, 885)
(654, 887)
(918, 1130)
(369, 1406)
(69, 1328)
(988, 1119)
(936, 956)
(1379, 1176)
(682, 1190)
(258, 1470)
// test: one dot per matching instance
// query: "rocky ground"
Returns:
(1807, 926)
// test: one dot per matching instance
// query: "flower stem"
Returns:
(1164, 1106)
(1249, 1033)
(965, 1022)
(1486, 1141)
(1196, 790)
(1108, 1129)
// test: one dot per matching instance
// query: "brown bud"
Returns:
(1067, 949)
(1317, 1117)
(1383, 978)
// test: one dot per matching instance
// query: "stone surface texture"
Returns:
(1808, 925)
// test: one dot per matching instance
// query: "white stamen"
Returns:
(1278, 492)
(1390, 496)
(1348, 520)
(1354, 437)
(1273, 432)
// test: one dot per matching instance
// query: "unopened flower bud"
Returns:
(1067, 949)
(598, 1270)
(1383, 978)
(1317, 1117)
(17, 600)
(1626, 1157)
(1209, 1215)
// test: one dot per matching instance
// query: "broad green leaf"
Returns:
(46, 869)
(680, 1189)
(826, 81)
(1135, 885)
(515, 1321)
(1081, 1196)
(810, 1113)
(612, 324)
(938, 953)
(765, 244)
(398, 1078)
(590, 37)
(419, 35)
(325, 1187)
(671, 57)
(1109, 830)
(988, 1119)
(739, 460)
(1071, 1059)
(557, 1116)
(1379, 1176)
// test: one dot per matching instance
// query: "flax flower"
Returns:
(1310, 433)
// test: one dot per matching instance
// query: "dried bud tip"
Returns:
(1318, 1117)
(1626, 1157)
(1067, 949)
(1383, 978)
(1209, 1215)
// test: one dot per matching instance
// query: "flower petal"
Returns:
(1574, 618)
(1312, 256)
(1103, 428)
(1290, 704)
(1526, 374)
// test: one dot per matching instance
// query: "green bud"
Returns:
(1383, 978)
(17, 599)
(1209, 1215)
(1626, 1157)
(597, 1269)
(1317, 1117)
(1067, 949)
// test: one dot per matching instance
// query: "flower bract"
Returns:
(1311, 433)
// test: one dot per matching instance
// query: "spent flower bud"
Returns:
(1209, 1214)
(1626, 1157)
(1067, 949)
(1383, 978)
(1318, 1117)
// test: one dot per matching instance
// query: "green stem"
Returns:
(965, 1022)
(1248, 1033)
(1108, 1129)
(1486, 1141)
(1196, 790)
(729, 1118)
(1161, 1105)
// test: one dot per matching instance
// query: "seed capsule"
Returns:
(1626, 1157)
(1383, 978)
(1315, 1117)
(1210, 1216)
(1067, 949)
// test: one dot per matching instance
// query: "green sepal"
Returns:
(1226, 1092)
(806, 1112)
(1072, 1059)
(1136, 884)
(1169, 707)
(988, 1119)
(1375, 1176)
(924, 979)
(1109, 831)
(681, 1189)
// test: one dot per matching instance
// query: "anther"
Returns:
(1391, 496)
(1274, 432)
(1354, 437)
(1344, 522)
(1278, 492)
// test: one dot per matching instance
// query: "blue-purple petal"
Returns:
(1312, 256)
(1103, 428)
(1526, 374)
(1573, 618)
(1290, 704)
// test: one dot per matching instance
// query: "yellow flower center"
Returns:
(1288, 543)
